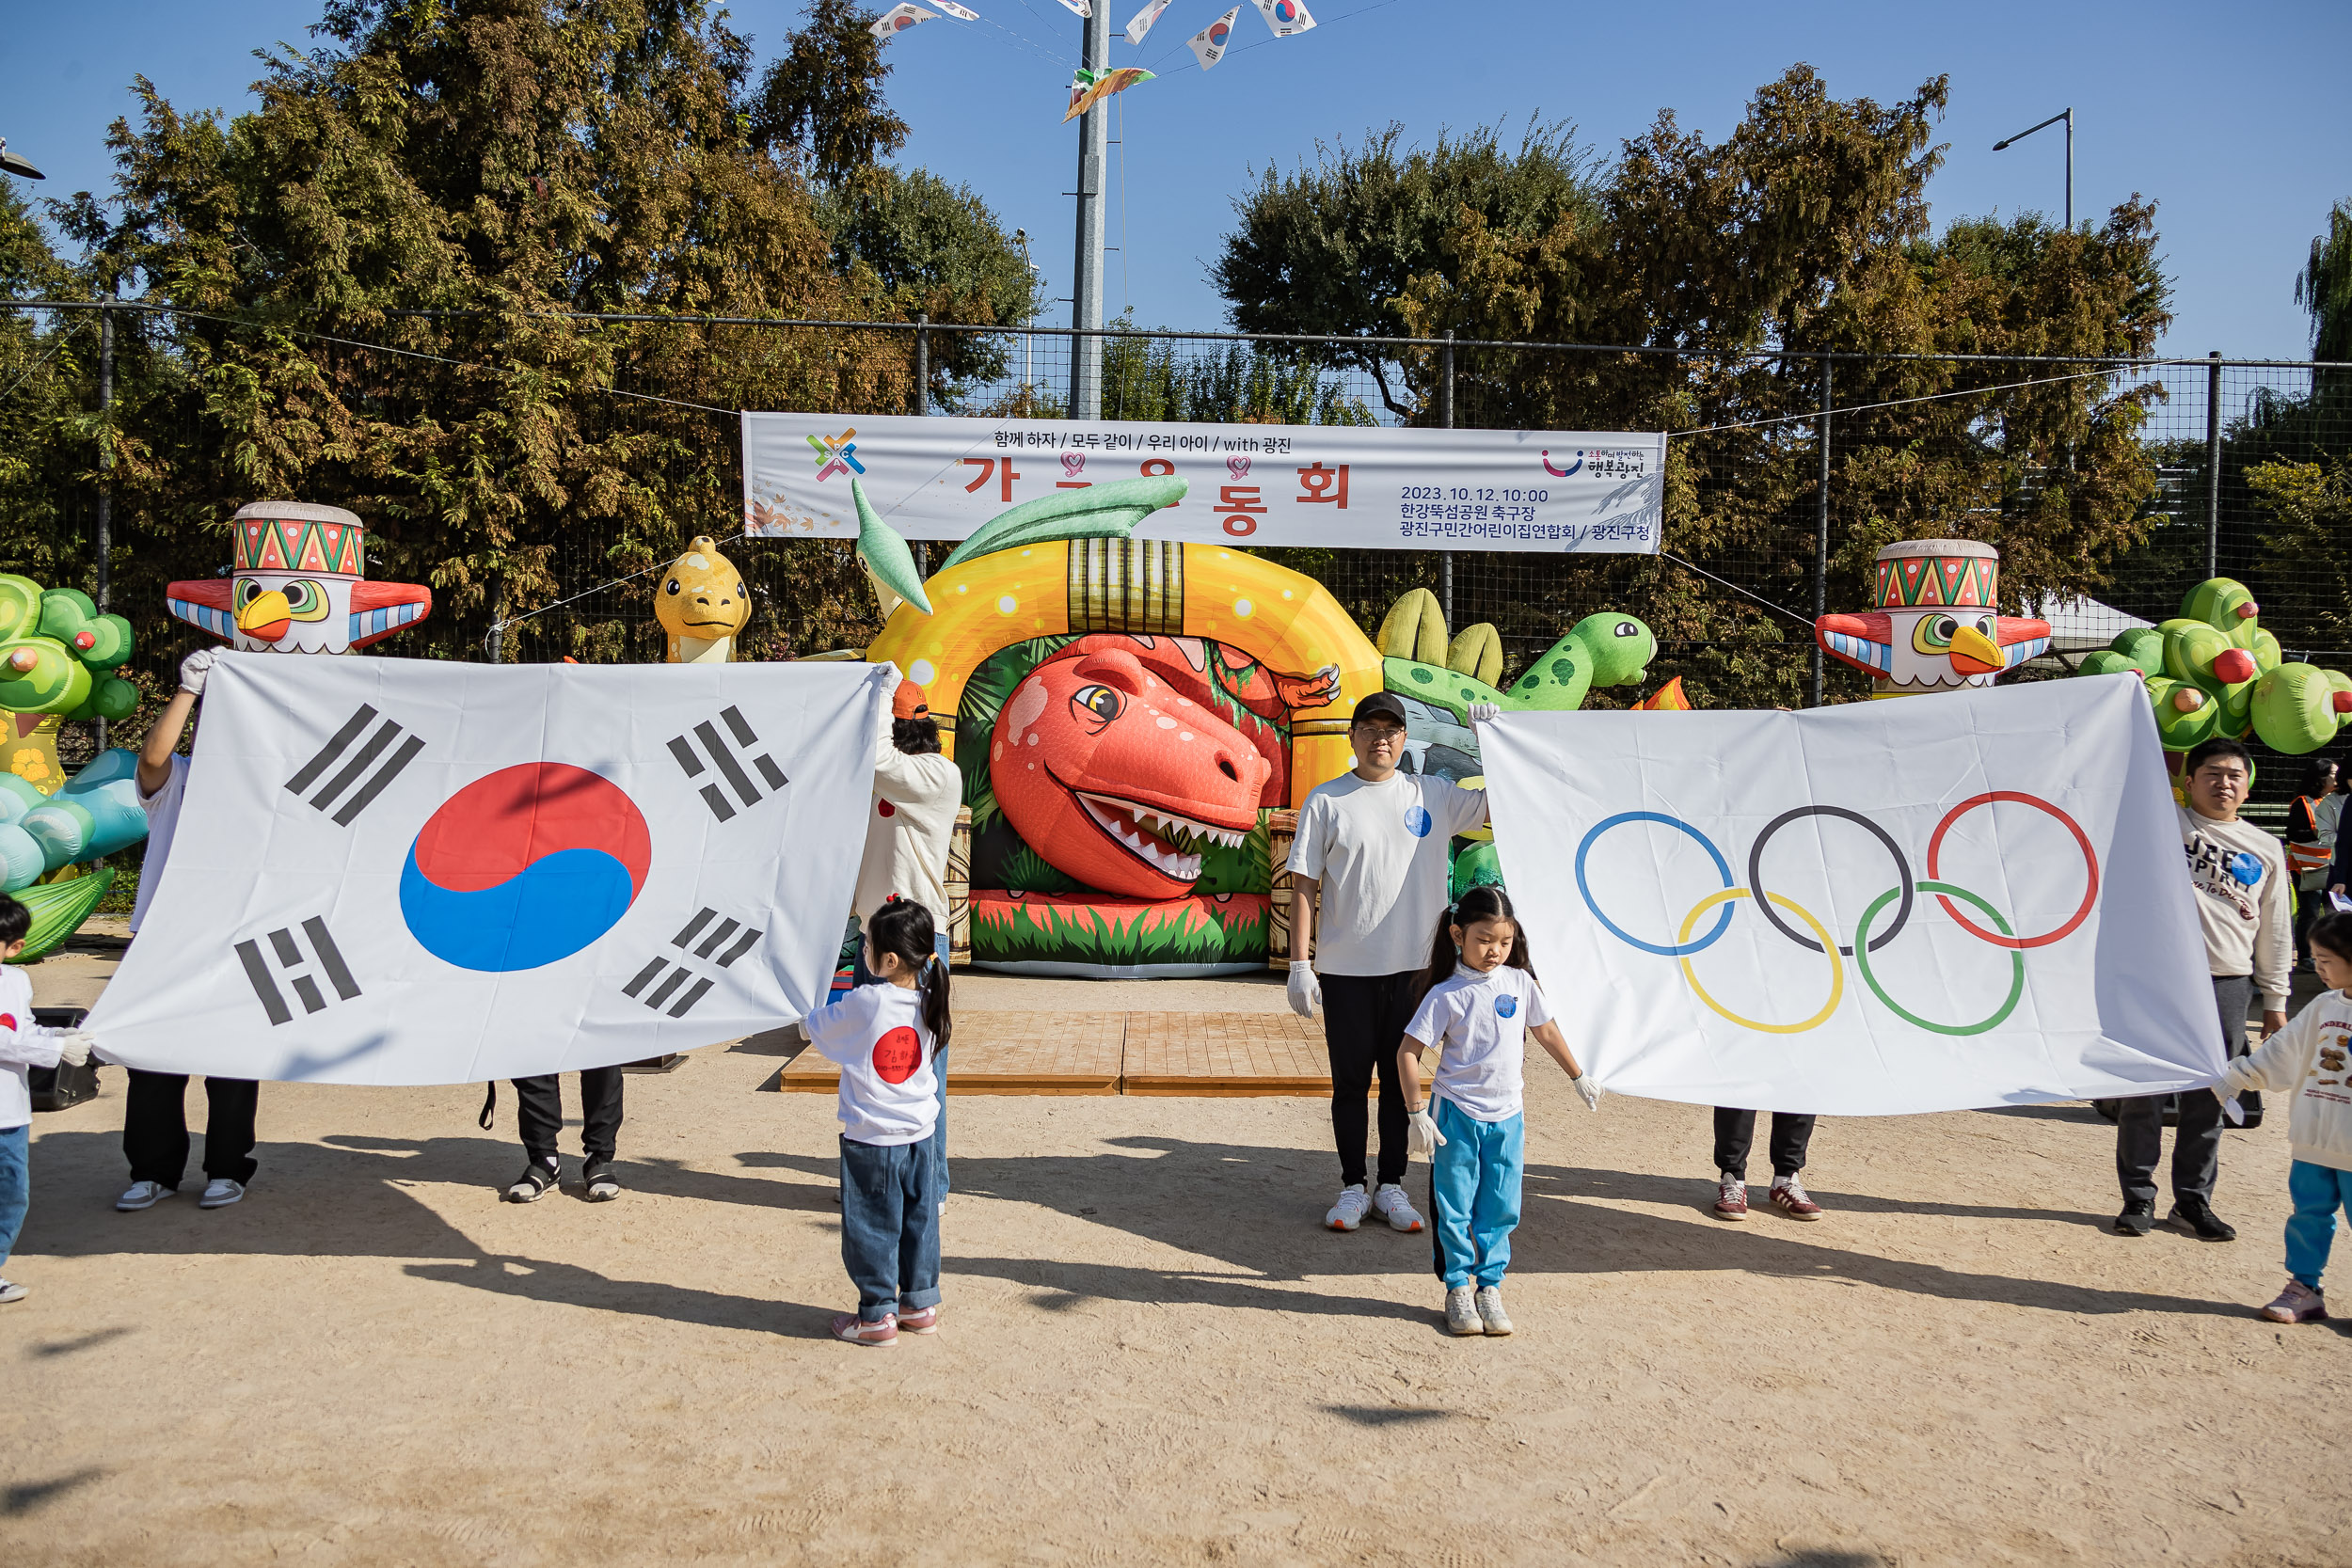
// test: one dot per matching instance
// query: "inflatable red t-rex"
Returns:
(1121, 757)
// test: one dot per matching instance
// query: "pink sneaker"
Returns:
(857, 1331)
(2297, 1303)
(1731, 1198)
(925, 1321)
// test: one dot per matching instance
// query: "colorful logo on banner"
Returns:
(1902, 896)
(836, 454)
(524, 867)
(1563, 473)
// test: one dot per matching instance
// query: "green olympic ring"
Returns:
(2016, 958)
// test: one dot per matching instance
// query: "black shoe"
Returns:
(603, 1186)
(2195, 1216)
(2137, 1219)
(536, 1183)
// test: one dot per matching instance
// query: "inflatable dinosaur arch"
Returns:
(1134, 718)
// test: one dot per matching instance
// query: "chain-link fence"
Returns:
(2111, 487)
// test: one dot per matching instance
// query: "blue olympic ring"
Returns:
(1722, 869)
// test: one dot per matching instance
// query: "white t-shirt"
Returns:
(1380, 851)
(23, 1044)
(889, 1094)
(912, 829)
(163, 820)
(1479, 1024)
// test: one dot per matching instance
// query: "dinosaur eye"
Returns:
(670, 587)
(1100, 702)
(1933, 635)
(1626, 628)
(305, 600)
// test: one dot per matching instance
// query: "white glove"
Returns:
(1482, 713)
(1586, 1090)
(74, 1046)
(1422, 1136)
(2235, 1111)
(1305, 992)
(193, 670)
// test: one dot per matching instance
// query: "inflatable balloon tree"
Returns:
(1131, 715)
(2213, 671)
(58, 661)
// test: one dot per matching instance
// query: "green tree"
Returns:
(1327, 248)
(2325, 286)
(821, 101)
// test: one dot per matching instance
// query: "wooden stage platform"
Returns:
(1113, 1053)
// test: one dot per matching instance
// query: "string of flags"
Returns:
(1283, 18)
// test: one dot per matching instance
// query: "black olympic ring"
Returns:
(1764, 905)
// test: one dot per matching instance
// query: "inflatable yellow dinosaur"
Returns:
(700, 604)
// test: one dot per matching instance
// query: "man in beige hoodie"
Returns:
(2244, 908)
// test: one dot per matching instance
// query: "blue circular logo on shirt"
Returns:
(2247, 868)
(1418, 821)
(1506, 1005)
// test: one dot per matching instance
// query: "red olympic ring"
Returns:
(2091, 864)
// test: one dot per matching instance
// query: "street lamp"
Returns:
(1029, 344)
(11, 164)
(2067, 116)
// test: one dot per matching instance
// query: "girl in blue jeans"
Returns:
(1480, 1004)
(887, 1038)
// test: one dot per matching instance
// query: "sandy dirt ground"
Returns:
(1150, 1351)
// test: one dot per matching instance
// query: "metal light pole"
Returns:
(1086, 351)
(1029, 342)
(2067, 116)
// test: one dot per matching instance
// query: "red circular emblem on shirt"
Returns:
(885, 808)
(7, 1020)
(897, 1054)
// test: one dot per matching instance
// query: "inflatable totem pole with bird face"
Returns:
(299, 586)
(1935, 626)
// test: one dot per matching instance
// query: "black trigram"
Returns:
(724, 942)
(361, 761)
(289, 957)
(730, 765)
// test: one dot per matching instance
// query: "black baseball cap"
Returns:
(1380, 705)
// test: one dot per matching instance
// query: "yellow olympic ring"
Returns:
(1828, 945)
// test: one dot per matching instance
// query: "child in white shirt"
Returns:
(24, 1045)
(2311, 1060)
(1481, 1005)
(885, 1038)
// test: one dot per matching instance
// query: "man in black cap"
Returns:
(1374, 844)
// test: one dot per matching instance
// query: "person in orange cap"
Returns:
(917, 794)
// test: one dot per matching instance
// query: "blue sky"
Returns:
(2231, 118)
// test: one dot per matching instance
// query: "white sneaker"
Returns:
(220, 1193)
(11, 1290)
(1348, 1213)
(1391, 1200)
(1491, 1313)
(142, 1194)
(1461, 1313)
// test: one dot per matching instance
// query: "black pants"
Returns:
(2197, 1136)
(1363, 1024)
(1734, 1131)
(2309, 905)
(155, 1128)
(539, 1114)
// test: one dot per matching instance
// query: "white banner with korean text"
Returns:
(1355, 486)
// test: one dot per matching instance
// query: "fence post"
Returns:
(2213, 463)
(1821, 531)
(104, 542)
(1445, 421)
(922, 363)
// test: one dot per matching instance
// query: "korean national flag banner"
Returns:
(400, 871)
(1920, 904)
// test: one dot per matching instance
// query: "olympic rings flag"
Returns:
(397, 871)
(1975, 899)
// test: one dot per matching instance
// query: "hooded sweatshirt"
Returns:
(2309, 1059)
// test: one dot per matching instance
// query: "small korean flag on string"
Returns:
(1208, 45)
(898, 19)
(405, 871)
(1140, 24)
(1286, 16)
(1080, 7)
(958, 12)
